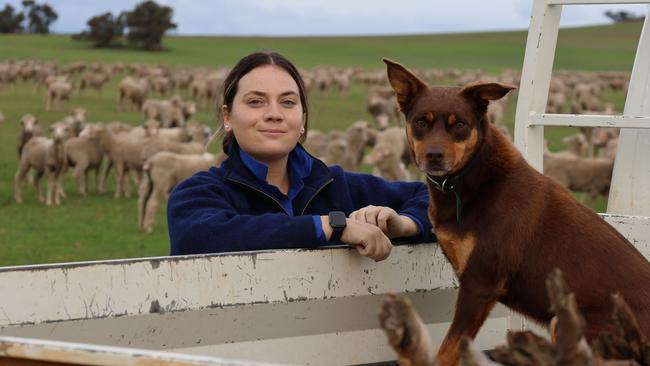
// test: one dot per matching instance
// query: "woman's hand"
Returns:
(386, 219)
(367, 239)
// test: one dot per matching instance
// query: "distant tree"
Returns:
(10, 21)
(622, 16)
(147, 24)
(40, 16)
(103, 30)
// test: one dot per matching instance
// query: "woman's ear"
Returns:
(224, 113)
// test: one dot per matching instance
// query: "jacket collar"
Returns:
(319, 176)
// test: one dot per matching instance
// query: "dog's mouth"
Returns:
(436, 172)
(438, 169)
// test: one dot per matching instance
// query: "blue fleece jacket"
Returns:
(228, 209)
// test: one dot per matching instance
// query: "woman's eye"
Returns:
(289, 103)
(254, 102)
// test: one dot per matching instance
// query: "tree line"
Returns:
(35, 18)
(142, 27)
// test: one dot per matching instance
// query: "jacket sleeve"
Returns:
(201, 219)
(406, 198)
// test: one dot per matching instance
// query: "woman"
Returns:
(271, 194)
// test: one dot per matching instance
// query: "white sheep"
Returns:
(390, 155)
(58, 92)
(358, 136)
(387, 164)
(123, 151)
(590, 175)
(29, 128)
(44, 155)
(163, 171)
(132, 92)
(95, 80)
(84, 154)
(55, 162)
(170, 113)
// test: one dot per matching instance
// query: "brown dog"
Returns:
(503, 225)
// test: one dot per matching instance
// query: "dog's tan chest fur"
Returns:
(457, 248)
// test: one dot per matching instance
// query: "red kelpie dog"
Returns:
(503, 225)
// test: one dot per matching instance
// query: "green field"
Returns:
(100, 227)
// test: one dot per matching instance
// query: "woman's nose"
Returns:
(272, 112)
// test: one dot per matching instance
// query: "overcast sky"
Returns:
(333, 17)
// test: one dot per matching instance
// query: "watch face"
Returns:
(337, 219)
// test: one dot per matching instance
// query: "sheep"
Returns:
(387, 164)
(198, 132)
(157, 144)
(336, 152)
(383, 109)
(556, 102)
(2, 117)
(55, 162)
(316, 143)
(84, 153)
(29, 128)
(199, 88)
(590, 175)
(395, 137)
(358, 136)
(162, 172)
(577, 144)
(57, 92)
(44, 155)
(390, 155)
(162, 85)
(76, 120)
(609, 151)
(118, 127)
(123, 152)
(133, 92)
(93, 80)
(496, 110)
(170, 113)
(31, 157)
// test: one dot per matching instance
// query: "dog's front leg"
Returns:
(475, 300)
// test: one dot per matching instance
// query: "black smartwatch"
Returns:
(338, 223)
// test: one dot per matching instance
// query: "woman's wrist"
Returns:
(409, 227)
(327, 229)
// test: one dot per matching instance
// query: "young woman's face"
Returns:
(266, 115)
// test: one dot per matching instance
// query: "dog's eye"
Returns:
(459, 125)
(420, 123)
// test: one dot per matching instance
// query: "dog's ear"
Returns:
(404, 83)
(485, 91)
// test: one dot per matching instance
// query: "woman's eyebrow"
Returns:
(263, 94)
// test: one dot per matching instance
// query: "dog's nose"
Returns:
(435, 155)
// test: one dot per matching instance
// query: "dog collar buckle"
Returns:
(445, 187)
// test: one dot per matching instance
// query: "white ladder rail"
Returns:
(630, 187)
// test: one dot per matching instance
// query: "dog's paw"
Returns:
(400, 323)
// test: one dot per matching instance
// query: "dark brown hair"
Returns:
(246, 65)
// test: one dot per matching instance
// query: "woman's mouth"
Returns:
(272, 132)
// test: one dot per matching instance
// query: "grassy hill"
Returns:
(100, 227)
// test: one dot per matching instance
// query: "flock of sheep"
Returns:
(169, 145)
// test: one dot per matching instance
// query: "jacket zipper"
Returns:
(261, 192)
(316, 194)
(275, 199)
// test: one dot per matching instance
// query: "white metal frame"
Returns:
(630, 188)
